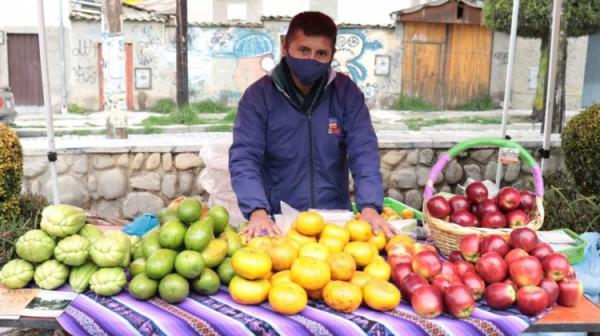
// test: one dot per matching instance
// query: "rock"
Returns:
(153, 161)
(70, 191)
(525, 169)
(454, 172)
(36, 187)
(112, 184)
(462, 155)
(404, 178)
(108, 209)
(148, 181)
(167, 161)
(34, 167)
(512, 172)
(80, 165)
(482, 155)
(426, 156)
(91, 184)
(185, 183)
(199, 188)
(386, 173)
(473, 171)
(446, 189)
(138, 161)
(393, 157)
(413, 157)
(413, 199)
(103, 161)
(123, 161)
(169, 185)
(395, 194)
(490, 171)
(63, 163)
(95, 196)
(186, 161)
(138, 203)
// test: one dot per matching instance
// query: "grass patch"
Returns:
(182, 116)
(415, 124)
(220, 128)
(76, 109)
(165, 105)
(230, 117)
(209, 106)
(80, 132)
(406, 103)
(480, 103)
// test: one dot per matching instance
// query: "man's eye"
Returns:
(322, 53)
(304, 50)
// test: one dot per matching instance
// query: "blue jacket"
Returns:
(282, 154)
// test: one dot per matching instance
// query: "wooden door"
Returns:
(24, 70)
(128, 77)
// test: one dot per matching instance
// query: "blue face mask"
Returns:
(308, 71)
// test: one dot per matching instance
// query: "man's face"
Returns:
(317, 48)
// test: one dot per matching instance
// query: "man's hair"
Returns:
(312, 24)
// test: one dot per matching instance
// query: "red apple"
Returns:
(438, 207)
(464, 218)
(427, 302)
(491, 267)
(542, 250)
(556, 266)
(571, 274)
(570, 291)
(400, 271)
(526, 271)
(494, 243)
(517, 218)
(524, 238)
(441, 282)
(531, 300)
(455, 256)
(509, 198)
(500, 295)
(512, 283)
(397, 259)
(427, 264)
(527, 201)
(397, 249)
(420, 247)
(469, 247)
(448, 269)
(551, 287)
(475, 284)
(463, 267)
(459, 202)
(459, 301)
(486, 207)
(410, 284)
(493, 220)
(477, 192)
(515, 254)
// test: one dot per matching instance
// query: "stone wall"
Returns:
(128, 184)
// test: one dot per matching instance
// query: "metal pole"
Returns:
(508, 83)
(63, 70)
(47, 104)
(556, 11)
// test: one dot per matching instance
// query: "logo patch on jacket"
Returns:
(334, 127)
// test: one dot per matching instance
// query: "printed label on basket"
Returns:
(509, 156)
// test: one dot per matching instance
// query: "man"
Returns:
(297, 132)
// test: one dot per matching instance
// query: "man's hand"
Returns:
(260, 223)
(377, 222)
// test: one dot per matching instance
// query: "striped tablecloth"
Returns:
(90, 314)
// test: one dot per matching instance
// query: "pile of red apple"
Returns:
(510, 208)
(520, 271)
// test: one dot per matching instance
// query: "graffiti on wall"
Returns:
(113, 66)
(147, 46)
(350, 47)
(85, 74)
(84, 48)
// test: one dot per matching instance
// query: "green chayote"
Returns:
(73, 250)
(91, 232)
(80, 276)
(35, 246)
(111, 250)
(51, 274)
(17, 273)
(108, 281)
(62, 220)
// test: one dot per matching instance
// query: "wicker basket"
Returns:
(446, 235)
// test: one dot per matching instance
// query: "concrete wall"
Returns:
(253, 10)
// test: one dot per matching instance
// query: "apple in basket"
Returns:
(427, 264)
(570, 291)
(491, 267)
(551, 287)
(524, 238)
(531, 300)
(542, 250)
(493, 220)
(469, 247)
(515, 254)
(427, 302)
(459, 301)
(410, 284)
(464, 218)
(500, 295)
(438, 207)
(494, 243)
(455, 256)
(526, 271)
(477, 192)
(527, 201)
(463, 267)
(556, 266)
(517, 218)
(459, 202)
(509, 198)
(475, 284)
(485, 207)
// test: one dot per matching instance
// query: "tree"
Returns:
(181, 54)
(579, 17)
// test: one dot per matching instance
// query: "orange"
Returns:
(314, 250)
(407, 213)
(389, 212)
(310, 273)
(359, 230)
(251, 263)
(342, 266)
(335, 231)
(267, 276)
(362, 252)
(288, 298)
(378, 240)
(360, 278)
(374, 250)
(262, 243)
(342, 296)
(381, 295)
(405, 240)
(283, 256)
(299, 238)
(379, 270)
(280, 277)
(332, 243)
(249, 292)
(278, 240)
(309, 223)
(315, 294)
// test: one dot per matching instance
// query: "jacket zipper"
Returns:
(311, 162)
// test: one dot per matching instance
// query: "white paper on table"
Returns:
(335, 216)
(556, 237)
(285, 220)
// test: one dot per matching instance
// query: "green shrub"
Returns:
(11, 173)
(480, 103)
(209, 106)
(580, 147)
(406, 103)
(165, 105)
(76, 109)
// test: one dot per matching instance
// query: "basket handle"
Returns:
(465, 145)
